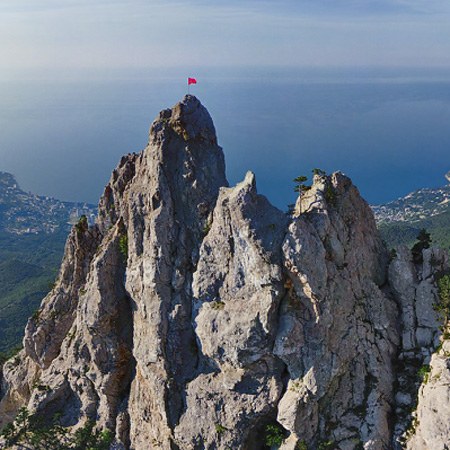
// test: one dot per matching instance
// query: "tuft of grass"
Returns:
(217, 305)
(220, 429)
(207, 227)
(326, 445)
(123, 246)
(423, 373)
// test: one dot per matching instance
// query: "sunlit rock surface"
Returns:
(193, 314)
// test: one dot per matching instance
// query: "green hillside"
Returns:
(397, 233)
(33, 231)
(28, 267)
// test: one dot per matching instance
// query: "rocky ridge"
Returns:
(192, 315)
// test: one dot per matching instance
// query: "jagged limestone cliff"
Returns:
(193, 314)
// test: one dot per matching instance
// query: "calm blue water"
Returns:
(389, 131)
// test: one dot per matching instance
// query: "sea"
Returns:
(387, 128)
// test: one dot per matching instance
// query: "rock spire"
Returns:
(194, 315)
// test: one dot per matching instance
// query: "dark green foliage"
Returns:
(330, 195)
(423, 373)
(41, 387)
(423, 242)
(13, 433)
(82, 225)
(123, 246)
(4, 356)
(443, 283)
(326, 445)
(403, 233)
(301, 445)
(28, 265)
(300, 185)
(35, 316)
(398, 233)
(444, 289)
(88, 438)
(392, 254)
(28, 430)
(274, 435)
(291, 209)
(220, 429)
(319, 172)
(31, 431)
(217, 305)
(33, 231)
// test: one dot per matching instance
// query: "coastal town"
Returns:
(416, 206)
(27, 213)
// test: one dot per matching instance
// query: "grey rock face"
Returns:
(193, 314)
(337, 333)
(421, 414)
(237, 288)
(430, 427)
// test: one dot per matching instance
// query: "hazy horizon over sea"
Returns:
(388, 129)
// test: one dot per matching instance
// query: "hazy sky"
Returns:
(81, 80)
(107, 34)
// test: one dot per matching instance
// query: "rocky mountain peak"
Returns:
(182, 167)
(189, 119)
(194, 315)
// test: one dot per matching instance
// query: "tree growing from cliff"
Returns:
(319, 172)
(82, 225)
(423, 242)
(300, 185)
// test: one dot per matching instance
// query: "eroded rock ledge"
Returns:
(193, 314)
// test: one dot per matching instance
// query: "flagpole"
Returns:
(189, 82)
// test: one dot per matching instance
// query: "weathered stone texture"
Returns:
(193, 314)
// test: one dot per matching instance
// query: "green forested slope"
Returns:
(396, 233)
(28, 267)
(33, 231)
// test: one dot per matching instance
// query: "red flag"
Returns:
(192, 81)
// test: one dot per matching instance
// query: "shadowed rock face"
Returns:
(194, 314)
